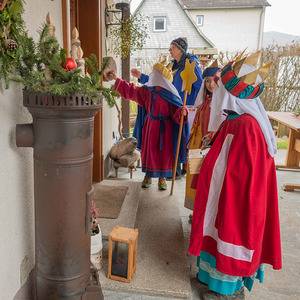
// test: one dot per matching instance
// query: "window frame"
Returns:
(165, 23)
(202, 20)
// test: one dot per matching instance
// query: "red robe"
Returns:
(235, 215)
(157, 151)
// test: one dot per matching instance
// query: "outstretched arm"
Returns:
(143, 78)
(130, 91)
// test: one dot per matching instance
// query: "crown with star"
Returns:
(249, 85)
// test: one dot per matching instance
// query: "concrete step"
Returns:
(129, 208)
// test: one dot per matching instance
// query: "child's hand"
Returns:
(136, 73)
(113, 74)
(184, 111)
(205, 141)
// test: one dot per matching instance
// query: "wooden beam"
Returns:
(293, 156)
(297, 145)
(290, 187)
(66, 25)
(126, 77)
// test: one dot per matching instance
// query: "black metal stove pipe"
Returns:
(62, 138)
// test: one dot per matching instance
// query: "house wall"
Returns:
(16, 173)
(233, 29)
(178, 25)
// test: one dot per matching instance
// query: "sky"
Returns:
(282, 16)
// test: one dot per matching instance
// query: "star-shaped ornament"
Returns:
(188, 76)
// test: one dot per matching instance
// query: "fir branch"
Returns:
(105, 63)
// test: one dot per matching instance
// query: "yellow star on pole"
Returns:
(188, 76)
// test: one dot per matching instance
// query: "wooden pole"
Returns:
(178, 143)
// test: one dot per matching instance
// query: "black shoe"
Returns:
(183, 172)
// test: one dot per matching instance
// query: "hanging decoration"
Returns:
(71, 64)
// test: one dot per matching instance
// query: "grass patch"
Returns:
(282, 145)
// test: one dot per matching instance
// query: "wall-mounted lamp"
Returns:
(122, 6)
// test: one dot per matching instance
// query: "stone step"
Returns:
(129, 208)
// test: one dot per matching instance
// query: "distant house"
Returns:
(167, 21)
(230, 25)
(209, 26)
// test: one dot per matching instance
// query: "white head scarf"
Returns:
(157, 79)
(223, 99)
(199, 98)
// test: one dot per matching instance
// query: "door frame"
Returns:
(97, 46)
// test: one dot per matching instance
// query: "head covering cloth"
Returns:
(232, 94)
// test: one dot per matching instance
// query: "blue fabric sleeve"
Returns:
(144, 78)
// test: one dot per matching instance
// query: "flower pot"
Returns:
(96, 249)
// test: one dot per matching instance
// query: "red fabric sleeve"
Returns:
(176, 114)
(130, 91)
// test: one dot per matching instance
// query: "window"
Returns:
(159, 23)
(199, 19)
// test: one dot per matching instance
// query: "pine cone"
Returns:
(11, 45)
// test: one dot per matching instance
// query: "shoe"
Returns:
(146, 182)
(183, 172)
(162, 185)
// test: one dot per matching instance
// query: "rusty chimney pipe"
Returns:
(62, 138)
(24, 135)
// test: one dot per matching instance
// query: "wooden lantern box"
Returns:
(195, 160)
(122, 253)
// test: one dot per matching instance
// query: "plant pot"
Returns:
(96, 249)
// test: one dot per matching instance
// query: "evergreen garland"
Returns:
(95, 78)
(12, 28)
(47, 53)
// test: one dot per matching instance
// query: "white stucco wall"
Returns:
(110, 119)
(232, 29)
(16, 172)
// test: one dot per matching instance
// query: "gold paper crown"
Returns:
(252, 59)
(166, 71)
(246, 86)
(214, 64)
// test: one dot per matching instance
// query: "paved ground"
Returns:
(278, 285)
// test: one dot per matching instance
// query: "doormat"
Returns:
(109, 200)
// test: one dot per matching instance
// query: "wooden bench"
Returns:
(293, 151)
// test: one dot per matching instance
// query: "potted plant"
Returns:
(96, 238)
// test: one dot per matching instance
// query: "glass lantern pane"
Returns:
(119, 264)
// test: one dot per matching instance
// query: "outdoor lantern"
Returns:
(122, 253)
(120, 4)
(122, 10)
